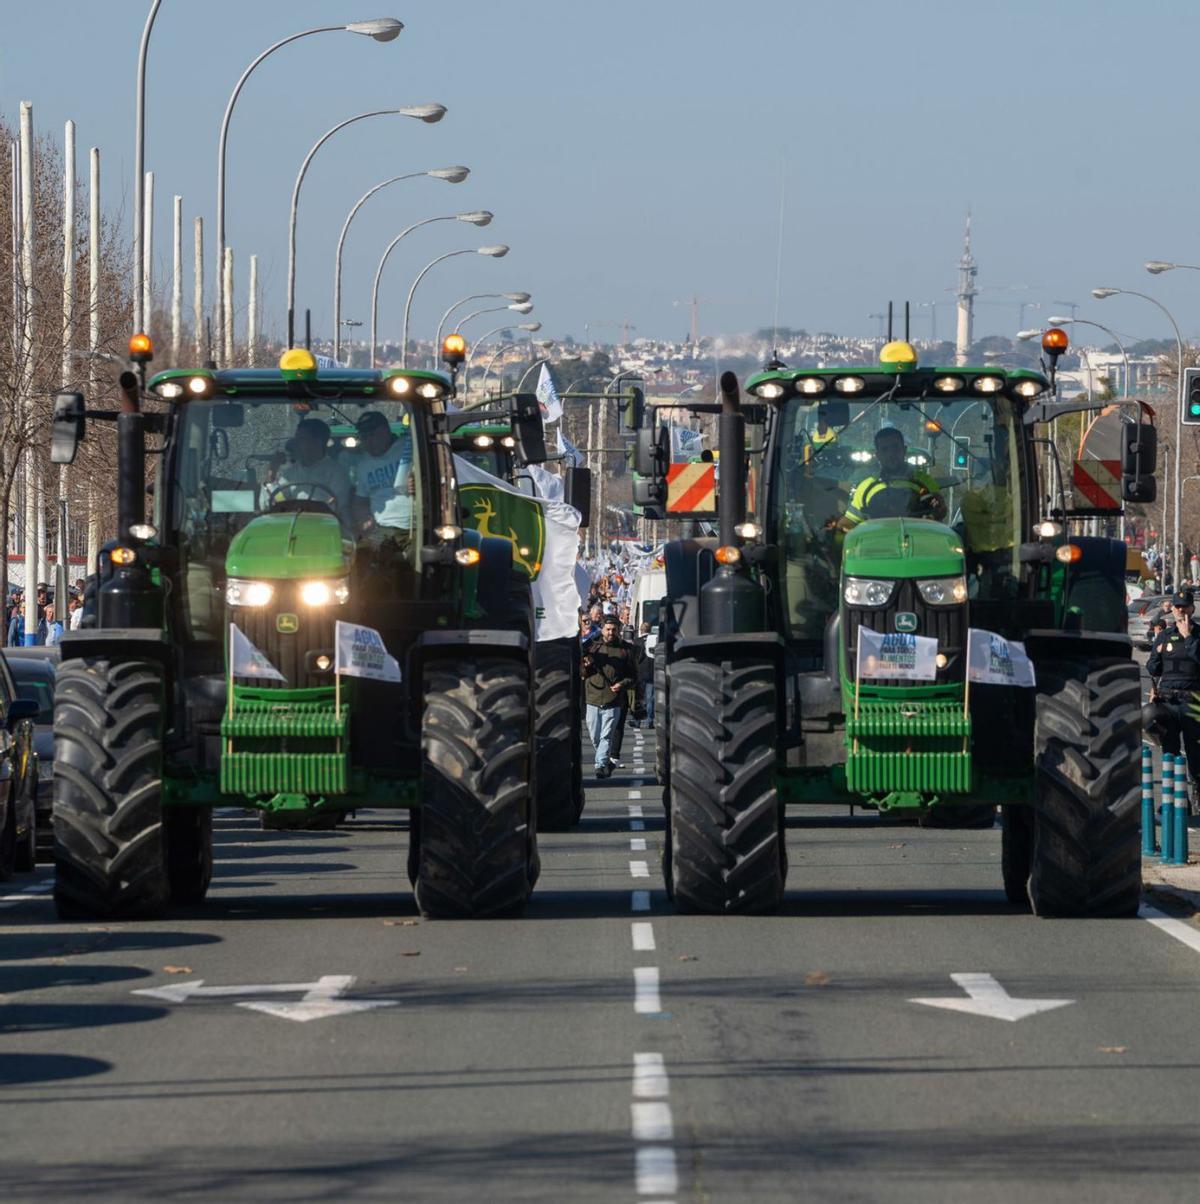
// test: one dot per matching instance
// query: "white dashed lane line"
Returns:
(637, 844)
(646, 999)
(639, 869)
(643, 936)
(640, 900)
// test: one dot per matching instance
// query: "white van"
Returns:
(648, 593)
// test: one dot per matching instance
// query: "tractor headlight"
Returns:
(323, 593)
(868, 591)
(240, 592)
(943, 591)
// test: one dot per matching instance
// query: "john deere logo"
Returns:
(906, 621)
(287, 624)
(502, 515)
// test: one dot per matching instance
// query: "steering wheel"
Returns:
(301, 497)
(932, 505)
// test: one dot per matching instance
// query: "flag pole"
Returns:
(229, 687)
(857, 680)
(337, 684)
(967, 690)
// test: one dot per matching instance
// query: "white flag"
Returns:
(996, 661)
(896, 654)
(547, 396)
(685, 443)
(545, 484)
(245, 660)
(574, 457)
(360, 653)
(551, 550)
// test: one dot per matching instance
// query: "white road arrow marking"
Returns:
(986, 997)
(318, 1000)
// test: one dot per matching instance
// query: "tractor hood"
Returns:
(902, 547)
(286, 546)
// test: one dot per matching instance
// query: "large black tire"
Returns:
(476, 854)
(662, 741)
(726, 821)
(109, 852)
(188, 832)
(577, 795)
(1016, 853)
(25, 858)
(1086, 858)
(553, 702)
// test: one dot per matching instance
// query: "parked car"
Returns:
(1142, 612)
(32, 671)
(18, 779)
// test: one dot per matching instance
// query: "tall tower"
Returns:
(967, 291)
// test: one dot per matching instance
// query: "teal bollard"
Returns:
(1166, 810)
(1179, 839)
(1148, 842)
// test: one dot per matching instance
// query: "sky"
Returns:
(638, 154)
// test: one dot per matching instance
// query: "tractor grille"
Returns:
(287, 650)
(947, 624)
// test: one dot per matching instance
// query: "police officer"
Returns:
(1174, 664)
(896, 488)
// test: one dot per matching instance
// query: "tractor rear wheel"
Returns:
(1086, 858)
(1016, 853)
(109, 851)
(553, 700)
(476, 856)
(724, 813)
(189, 835)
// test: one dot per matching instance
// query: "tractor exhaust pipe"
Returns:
(731, 497)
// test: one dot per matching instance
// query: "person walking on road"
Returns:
(1174, 666)
(608, 672)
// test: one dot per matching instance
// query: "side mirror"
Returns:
(19, 710)
(528, 429)
(67, 427)
(577, 491)
(1139, 456)
(650, 456)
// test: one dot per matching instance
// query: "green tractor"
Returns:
(898, 520)
(303, 628)
(490, 441)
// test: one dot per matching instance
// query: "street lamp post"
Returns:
(1101, 294)
(428, 113)
(452, 175)
(517, 298)
(532, 327)
(1062, 321)
(139, 170)
(497, 251)
(479, 217)
(381, 29)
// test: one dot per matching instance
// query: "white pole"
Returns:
(227, 294)
(68, 322)
(26, 375)
(93, 517)
(176, 281)
(14, 161)
(148, 251)
(198, 291)
(252, 312)
(43, 567)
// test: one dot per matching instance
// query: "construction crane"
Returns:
(624, 327)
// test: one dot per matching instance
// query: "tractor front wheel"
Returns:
(1086, 857)
(1016, 853)
(109, 851)
(724, 813)
(553, 700)
(475, 854)
(189, 836)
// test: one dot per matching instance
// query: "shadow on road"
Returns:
(20, 1069)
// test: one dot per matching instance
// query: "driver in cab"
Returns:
(383, 479)
(896, 488)
(311, 474)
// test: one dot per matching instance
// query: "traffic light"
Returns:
(962, 454)
(632, 411)
(1190, 414)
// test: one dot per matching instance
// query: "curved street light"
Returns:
(1157, 266)
(381, 29)
(478, 217)
(452, 175)
(139, 168)
(532, 327)
(497, 251)
(519, 298)
(1102, 294)
(430, 114)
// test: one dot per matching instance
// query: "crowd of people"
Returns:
(617, 665)
(51, 621)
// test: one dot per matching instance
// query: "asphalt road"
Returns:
(600, 1048)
